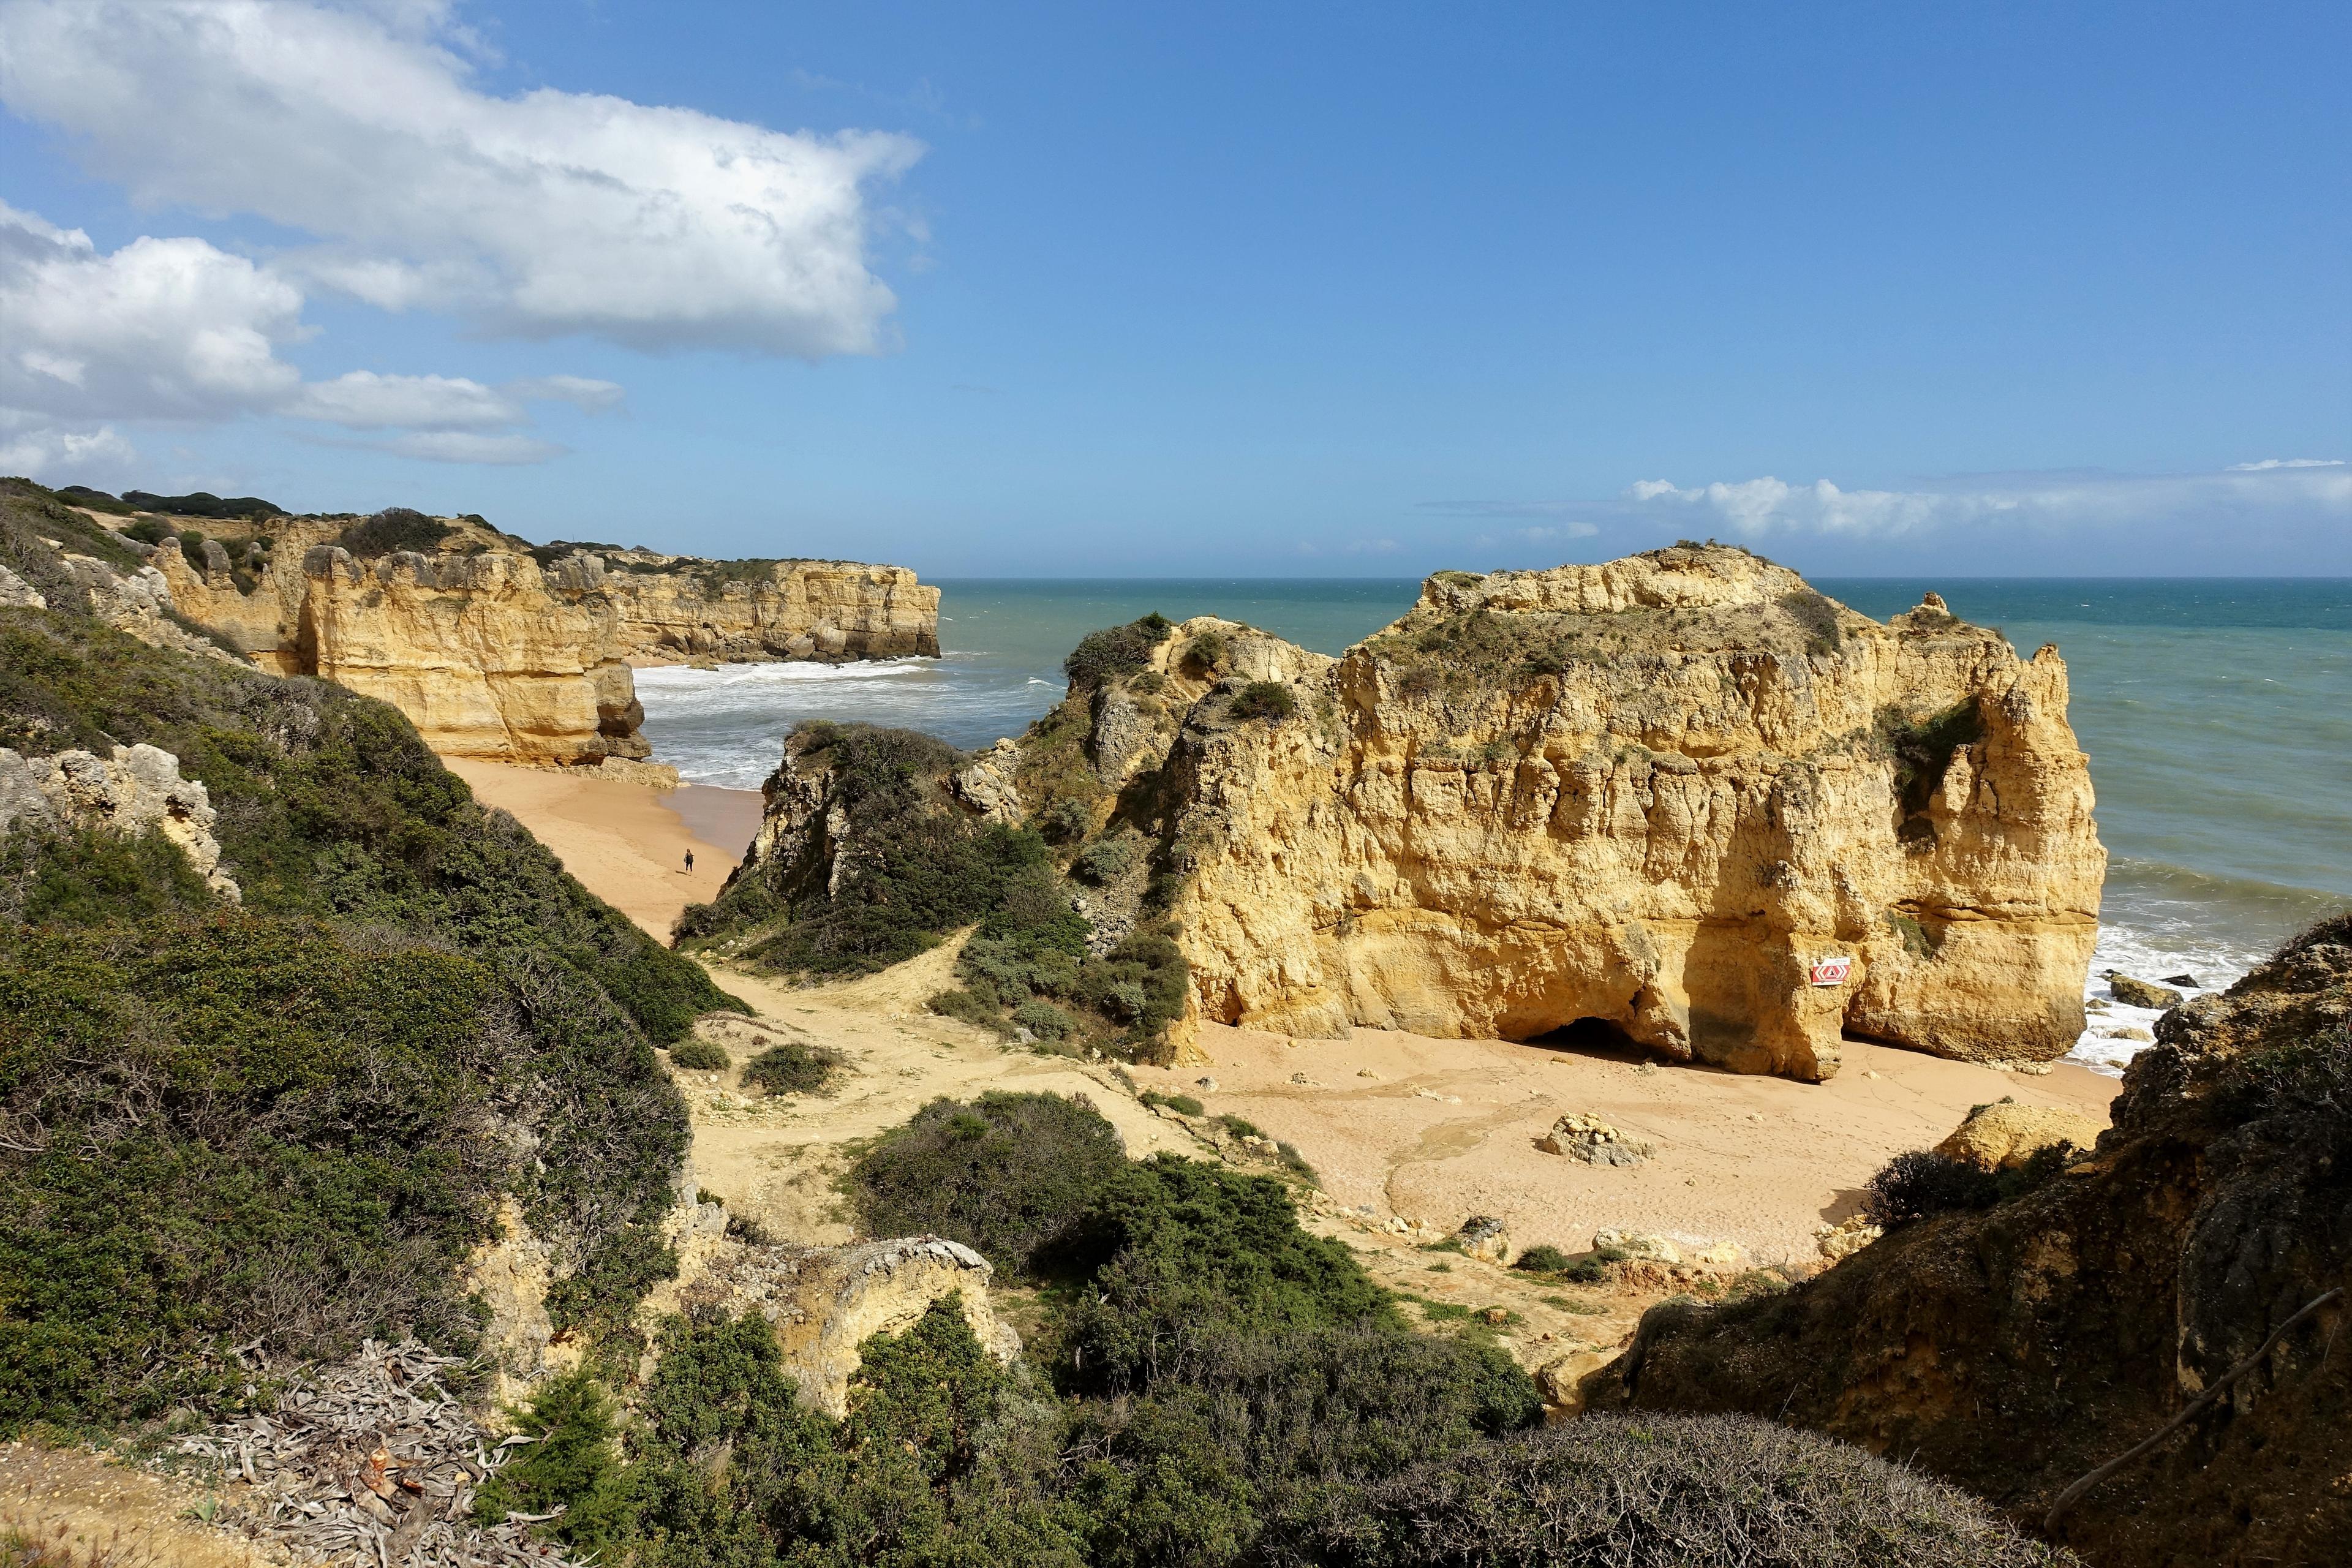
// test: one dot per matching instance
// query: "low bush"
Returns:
(1045, 1020)
(1107, 859)
(1669, 1492)
(201, 503)
(1181, 1104)
(700, 1055)
(1816, 617)
(789, 1067)
(1268, 699)
(1922, 1183)
(1543, 1258)
(1115, 651)
(1007, 1176)
(1207, 653)
(395, 528)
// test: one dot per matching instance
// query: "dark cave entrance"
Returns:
(1591, 1037)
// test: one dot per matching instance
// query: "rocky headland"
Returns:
(503, 650)
(1680, 798)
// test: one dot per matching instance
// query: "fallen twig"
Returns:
(2073, 1494)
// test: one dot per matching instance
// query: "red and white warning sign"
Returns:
(1830, 972)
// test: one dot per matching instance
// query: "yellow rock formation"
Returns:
(493, 655)
(1682, 793)
(2006, 1134)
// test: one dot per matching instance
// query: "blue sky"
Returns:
(1307, 289)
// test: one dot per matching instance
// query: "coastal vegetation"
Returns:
(279, 1122)
(886, 864)
(1210, 1384)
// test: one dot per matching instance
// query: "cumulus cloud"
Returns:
(178, 329)
(161, 329)
(538, 214)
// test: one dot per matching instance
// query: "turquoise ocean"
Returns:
(2217, 713)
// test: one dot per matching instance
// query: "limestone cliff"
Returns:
(2014, 1350)
(1656, 793)
(498, 650)
(139, 788)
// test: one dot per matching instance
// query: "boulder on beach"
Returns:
(1594, 1142)
(2005, 1134)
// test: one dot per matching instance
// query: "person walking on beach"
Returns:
(689, 862)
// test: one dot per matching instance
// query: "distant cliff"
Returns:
(500, 650)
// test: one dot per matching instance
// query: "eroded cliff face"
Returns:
(1656, 793)
(2016, 1350)
(493, 653)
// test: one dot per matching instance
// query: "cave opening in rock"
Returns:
(1590, 1037)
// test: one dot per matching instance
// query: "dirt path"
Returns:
(84, 1509)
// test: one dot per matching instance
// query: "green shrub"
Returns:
(1239, 1127)
(1115, 651)
(1922, 748)
(1922, 1183)
(393, 528)
(201, 503)
(1207, 653)
(974, 1005)
(700, 1055)
(574, 1466)
(1107, 859)
(1045, 1020)
(790, 1066)
(1181, 1104)
(1006, 1175)
(1150, 683)
(1268, 699)
(1543, 1258)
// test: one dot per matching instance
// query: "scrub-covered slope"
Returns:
(2014, 1350)
(276, 1107)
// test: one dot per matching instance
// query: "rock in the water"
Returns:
(2140, 993)
(2126, 1032)
(1483, 1236)
(2190, 981)
(2005, 1134)
(1594, 1142)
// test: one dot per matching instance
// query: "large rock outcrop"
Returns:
(498, 651)
(1663, 792)
(136, 790)
(2015, 1350)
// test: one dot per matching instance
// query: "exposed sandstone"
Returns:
(2004, 1135)
(1658, 792)
(137, 789)
(497, 651)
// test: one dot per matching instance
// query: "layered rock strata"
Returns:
(1681, 798)
(493, 654)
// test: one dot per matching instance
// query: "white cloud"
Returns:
(542, 214)
(2268, 463)
(583, 393)
(178, 329)
(362, 400)
(161, 329)
(1761, 507)
(471, 447)
(49, 453)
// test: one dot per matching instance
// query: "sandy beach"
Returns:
(1429, 1130)
(626, 843)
